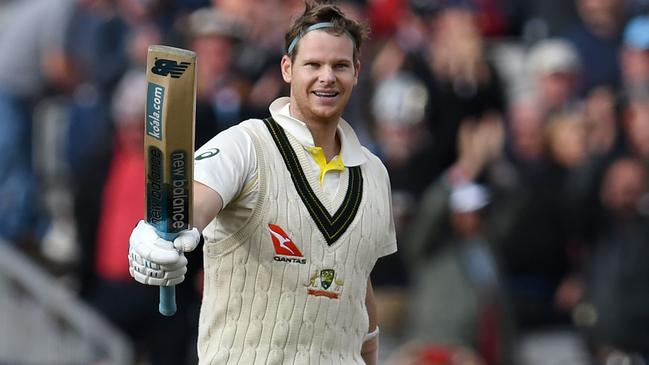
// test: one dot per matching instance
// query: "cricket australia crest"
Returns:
(325, 283)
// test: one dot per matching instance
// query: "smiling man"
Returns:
(294, 212)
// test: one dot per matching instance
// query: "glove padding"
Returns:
(153, 260)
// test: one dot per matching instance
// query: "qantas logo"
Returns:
(165, 67)
(285, 248)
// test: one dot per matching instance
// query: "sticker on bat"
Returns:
(164, 67)
(154, 106)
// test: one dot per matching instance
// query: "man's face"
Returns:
(322, 76)
(215, 53)
(557, 88)
(637, 128)
(635, 65)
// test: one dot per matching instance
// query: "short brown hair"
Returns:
(324, 12)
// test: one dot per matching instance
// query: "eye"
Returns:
(313, 65)
(341, 66)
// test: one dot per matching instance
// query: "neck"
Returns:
(323, 133)
(324, 136)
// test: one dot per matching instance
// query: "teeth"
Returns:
(325, 94)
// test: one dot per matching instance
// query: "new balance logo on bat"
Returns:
(285, 248)
(164, 67)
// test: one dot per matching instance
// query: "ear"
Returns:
(286, 67)
(357, 70)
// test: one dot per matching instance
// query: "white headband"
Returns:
(316, 26)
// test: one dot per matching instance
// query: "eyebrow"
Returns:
(316, 60)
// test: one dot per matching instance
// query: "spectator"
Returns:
(403, 143)
(578, 174)
(602, 112)
(567, 139)
(100, 41)
(260, 52)
(443, 48)
(91, 160)
(597, 39)
(456, 296)
(613, 312)
(555, 70)
(605, 141)
(537, 19)
(634, 53)
(35, 59)
(525, 145)
(220, 88)
(636, 124)
(538, 216)
(461, 81)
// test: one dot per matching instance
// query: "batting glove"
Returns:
(153, 260)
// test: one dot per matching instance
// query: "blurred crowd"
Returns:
(515, 133)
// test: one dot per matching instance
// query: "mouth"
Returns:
(325, 94)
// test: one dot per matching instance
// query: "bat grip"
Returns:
(167, 306)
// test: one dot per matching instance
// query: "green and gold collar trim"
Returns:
(332, 227)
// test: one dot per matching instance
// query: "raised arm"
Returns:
(154, 261)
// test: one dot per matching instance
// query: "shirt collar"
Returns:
(350, 148)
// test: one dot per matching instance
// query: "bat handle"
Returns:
(167, 306)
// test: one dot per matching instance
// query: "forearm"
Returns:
(370, 349)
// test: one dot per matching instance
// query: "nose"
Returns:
(327, 75)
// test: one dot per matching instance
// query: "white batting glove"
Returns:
(153, 260)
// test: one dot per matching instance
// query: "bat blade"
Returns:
(169, 146)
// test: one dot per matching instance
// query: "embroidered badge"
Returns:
(325, 283)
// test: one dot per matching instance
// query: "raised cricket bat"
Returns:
(169, 147)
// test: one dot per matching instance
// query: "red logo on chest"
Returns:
(284, 245)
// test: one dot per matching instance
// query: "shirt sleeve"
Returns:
(389, 243)
(227, 163)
